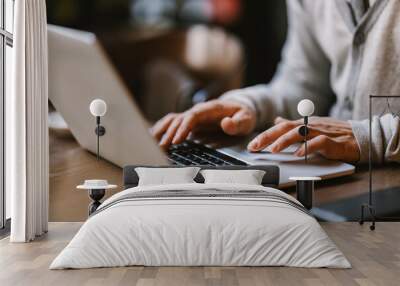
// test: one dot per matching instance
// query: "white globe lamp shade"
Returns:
(98, 107)
(305, 107)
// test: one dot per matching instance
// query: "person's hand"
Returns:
(333, 139)
(233, 118)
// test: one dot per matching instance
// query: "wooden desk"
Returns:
(327, 191)
(70, 165)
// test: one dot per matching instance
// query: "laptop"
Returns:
(80, 71)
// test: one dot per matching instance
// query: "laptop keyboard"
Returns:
(189, 153)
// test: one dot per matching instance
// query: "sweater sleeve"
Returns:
(302, 73)
(385, 142)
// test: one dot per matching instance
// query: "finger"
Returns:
(241, 123)
(187, 125)
(287, 139)
(294, 136)
(328, 121)
(162, 125)
(280, 120)
(343, 148)
(214, 110)
(199, 113)
(169, 135)
(206, 113)
(269, 136)
(322, 144)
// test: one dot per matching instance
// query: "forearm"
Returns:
(385, 135)
(280, 98)
(302, 73)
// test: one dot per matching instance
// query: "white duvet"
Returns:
(188, 231)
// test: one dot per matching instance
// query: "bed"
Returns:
(201, 224)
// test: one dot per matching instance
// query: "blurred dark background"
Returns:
(148, 41)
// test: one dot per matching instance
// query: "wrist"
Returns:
(360, 133)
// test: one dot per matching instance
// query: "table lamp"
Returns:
(98, 109)
(305, 185)
(97, 190)
(305, 108)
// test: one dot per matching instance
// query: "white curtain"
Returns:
(26, 117)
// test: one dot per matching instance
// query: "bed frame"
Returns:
(271, 177)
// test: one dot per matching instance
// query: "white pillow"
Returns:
(247, 177)
(163, 176)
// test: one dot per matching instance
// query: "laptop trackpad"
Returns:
(265, 155)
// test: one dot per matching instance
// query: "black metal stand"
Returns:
(100, 131)
(96, 195)
(370, 206)
(305, 188)
(303, 131)
(305, 193)
(371, 210)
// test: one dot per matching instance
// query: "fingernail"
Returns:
(175, 140)
(253, 145)
(163, 140)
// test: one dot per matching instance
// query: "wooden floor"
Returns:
(375, 257)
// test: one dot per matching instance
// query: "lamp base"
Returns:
(305, 193)
(371, 210)
(303, 130)
(96, 195)
(305, 190)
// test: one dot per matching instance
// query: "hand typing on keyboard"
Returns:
(331, 138)
(233, 118)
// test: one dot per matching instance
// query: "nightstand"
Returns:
(97, 190)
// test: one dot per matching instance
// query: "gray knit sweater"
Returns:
(337, 64)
